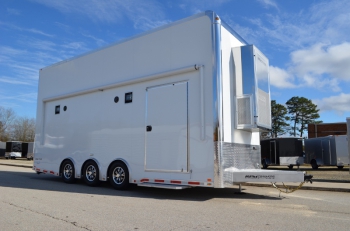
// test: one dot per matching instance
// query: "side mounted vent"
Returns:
(244, 112)
(264, 109)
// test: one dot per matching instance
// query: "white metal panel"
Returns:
(341, 146)
(291, 160)
(228, 81)
(120, 133)
(167, 142)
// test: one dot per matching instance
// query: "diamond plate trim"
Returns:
(228, 155)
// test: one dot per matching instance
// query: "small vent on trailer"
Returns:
(244, 112)
(264, 108)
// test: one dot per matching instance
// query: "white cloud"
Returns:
(99, 42)
(31, 30)
(75, 46)
(289, 78)
(38, 44)
(320, 59)
(144, 14)
(281, 78)
(12, 11)
(197, 6)
(319, 66)
(35, 31)
(143, 23)
(13, 81)
(339, 103)
(29, 97)
(10, 51)
(317, 39)
(324, 22)
(268, 3)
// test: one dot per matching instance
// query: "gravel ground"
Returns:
(334, 175)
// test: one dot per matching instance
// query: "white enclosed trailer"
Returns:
(328, 151)
(178, 106)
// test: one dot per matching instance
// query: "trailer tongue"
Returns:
(260, 175)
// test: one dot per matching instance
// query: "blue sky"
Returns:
(307, 42)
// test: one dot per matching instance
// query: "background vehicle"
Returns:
(2, 149)
(13, 149)
(328, 151)
(282, 151)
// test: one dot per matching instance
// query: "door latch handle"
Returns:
(149, 128)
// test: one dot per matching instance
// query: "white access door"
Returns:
(167, 128)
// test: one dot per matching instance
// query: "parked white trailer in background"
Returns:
(13, 149)
(178, 106)
(328, 151)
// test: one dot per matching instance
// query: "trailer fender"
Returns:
(121, 160)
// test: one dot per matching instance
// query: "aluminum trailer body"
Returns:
(181, 105)
(327, 151)
(282, 151)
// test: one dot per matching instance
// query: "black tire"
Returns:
(290, 166)
(119, 176)
(340, 167)
(314, 165)
(91, 173)
(68, 172)
(264, 165)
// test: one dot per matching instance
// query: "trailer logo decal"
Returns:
(260, 177)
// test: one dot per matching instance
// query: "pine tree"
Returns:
(302, 112)
(279, 119)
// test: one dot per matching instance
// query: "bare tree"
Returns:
(23, 129)
(7, 116)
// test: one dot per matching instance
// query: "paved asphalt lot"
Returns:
(29, 201)
(325, 178)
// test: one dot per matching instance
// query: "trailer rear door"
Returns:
(167, 128)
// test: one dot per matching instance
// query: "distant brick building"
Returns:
(326, 129)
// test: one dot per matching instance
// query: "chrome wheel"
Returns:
(68, 171)
(91, 173)
(118, 175)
